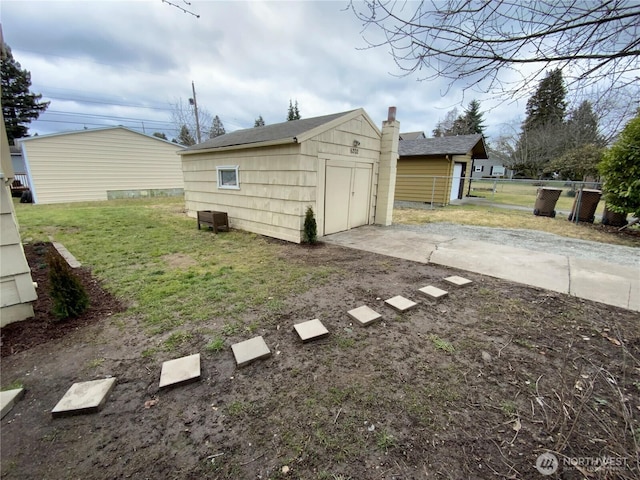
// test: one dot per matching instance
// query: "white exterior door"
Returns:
(455, 181)
(347, 195)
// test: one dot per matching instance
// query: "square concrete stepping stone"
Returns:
(364, 315)
(180, 371)
(311, 330)
(458, 281)
(400, 303)
(8, 399)
(250, 351)
(84, 397)
(434, 293)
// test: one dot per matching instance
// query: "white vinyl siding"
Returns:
(85, 165)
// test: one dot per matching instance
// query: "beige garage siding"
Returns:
(84, 166)
(279, 182)
(337, 144)
(273, 194)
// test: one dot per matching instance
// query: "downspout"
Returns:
(447, 191)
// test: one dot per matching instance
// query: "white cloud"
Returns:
(246, 59)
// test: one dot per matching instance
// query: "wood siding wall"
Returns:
(278, 183)
(419, 179)
(275, 189)
(16, 285)
(83, 166)
(337, 144)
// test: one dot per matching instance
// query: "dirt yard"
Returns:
(475, 386)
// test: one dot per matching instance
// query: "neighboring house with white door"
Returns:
(437, 170)
(490, 168)
(265, 178)
(100, 164)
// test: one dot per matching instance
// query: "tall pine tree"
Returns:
(185, 138)
(473, 117)
(19, 106)
(293, 113)
(217, 128)
(543, 138)
(582, 127)
(548, 105)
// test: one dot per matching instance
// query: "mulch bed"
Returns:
(20, 336)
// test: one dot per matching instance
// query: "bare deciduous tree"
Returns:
(183, 114)
(474, 41)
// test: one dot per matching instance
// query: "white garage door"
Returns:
(347, 195)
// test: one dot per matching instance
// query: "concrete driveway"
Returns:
(608, 283)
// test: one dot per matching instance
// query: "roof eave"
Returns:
(334, 123)
(244, 146)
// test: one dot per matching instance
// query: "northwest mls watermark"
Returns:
(547, 463)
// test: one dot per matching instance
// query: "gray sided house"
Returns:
(437, 170)
(265, 178)
(490, 168)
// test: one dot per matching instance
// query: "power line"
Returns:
(113, 117)
(82, 100)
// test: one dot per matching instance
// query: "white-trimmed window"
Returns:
(228, 177)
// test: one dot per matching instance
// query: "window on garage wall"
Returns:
(228, 177)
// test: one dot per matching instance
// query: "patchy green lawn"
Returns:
(149, 253)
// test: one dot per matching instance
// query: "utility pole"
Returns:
(194, 102)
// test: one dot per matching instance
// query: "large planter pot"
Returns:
(613, 219)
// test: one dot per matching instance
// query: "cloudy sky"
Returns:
(104, 62)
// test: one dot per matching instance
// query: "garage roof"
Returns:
(458, 145)
(285, 132)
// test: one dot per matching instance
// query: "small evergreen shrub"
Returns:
(69, 296)
(310, 227)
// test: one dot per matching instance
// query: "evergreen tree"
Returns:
(259, 122)
(582, 127)
(543, 136)
(217, 128)
(310, 227)
(185, 138)
(19, 106)
(547, 106)
(160, 135)
(69, 297)
(296, 111)
(293, 112)
(473, 117)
